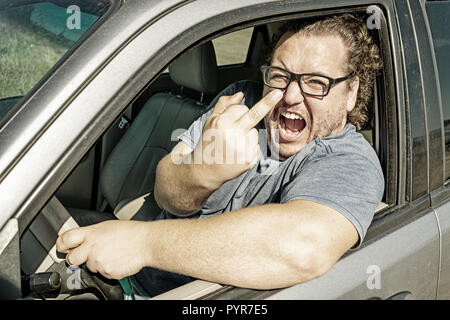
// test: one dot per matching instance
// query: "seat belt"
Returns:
(124, 122)
(125, 283)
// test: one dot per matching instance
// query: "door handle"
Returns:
(399, 296)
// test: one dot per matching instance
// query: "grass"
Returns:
(27, 52)
(233, 47)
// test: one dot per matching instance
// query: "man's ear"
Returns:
(352, 94)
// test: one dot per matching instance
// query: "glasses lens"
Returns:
(276, 78)
(314, 85)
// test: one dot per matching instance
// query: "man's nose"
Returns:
(293, 94)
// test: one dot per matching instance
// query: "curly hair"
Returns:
(363, 56)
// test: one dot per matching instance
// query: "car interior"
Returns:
(119, 170)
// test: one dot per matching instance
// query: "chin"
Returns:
(286, 150)
(289, 151)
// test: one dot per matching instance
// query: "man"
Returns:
(267, 226)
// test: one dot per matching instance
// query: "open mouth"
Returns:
(290, 126)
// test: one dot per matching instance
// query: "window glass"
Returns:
(33, 38)
(439, 19)
(232, 48)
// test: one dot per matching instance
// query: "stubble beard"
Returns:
(331, 124)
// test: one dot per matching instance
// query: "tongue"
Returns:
(294, 124)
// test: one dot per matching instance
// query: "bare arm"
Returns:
(181, 188)
(264, 247)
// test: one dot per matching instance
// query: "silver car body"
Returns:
(406, 253)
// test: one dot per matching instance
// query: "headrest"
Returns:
(197, 69)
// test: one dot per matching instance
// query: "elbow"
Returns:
(158, 197)
(296, 267)
(158, 191)
(170, 202)
(163, 201)
(313, 265)
(307, 263)
(169, 194)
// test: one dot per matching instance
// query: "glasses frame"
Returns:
(297, 76)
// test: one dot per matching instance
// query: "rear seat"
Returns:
(129, 171)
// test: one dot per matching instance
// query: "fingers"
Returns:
(77, 256)
(225, 101)
(254, 149)
(70, 239)
(253, 137)
(92, 267)
(259, 110)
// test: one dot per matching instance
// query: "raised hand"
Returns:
(230, 143)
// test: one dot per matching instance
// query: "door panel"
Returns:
(405, 260)
(443, 214)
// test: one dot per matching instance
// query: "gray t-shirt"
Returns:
(340, 171)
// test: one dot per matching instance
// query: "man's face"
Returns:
(319, 116)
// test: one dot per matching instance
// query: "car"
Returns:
(91, 95)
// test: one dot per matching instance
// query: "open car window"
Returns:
(233, 48)
(34, 37)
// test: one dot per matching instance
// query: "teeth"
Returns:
(291, 115)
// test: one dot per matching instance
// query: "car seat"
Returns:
(128, 175)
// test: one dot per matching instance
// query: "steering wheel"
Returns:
(73, 279)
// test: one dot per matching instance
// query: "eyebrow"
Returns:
(320, 73)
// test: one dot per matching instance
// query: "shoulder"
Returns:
(246, 86)
(252, 91)
(345, 150)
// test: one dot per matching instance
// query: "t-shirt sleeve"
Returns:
(192, 135)
(348, 183)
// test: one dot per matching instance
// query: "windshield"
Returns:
(34, 37)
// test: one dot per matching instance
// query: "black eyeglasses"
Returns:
(310, 83)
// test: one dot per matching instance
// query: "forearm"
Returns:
(179, 188)
(264, 247)
(257, 247)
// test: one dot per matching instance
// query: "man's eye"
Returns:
(316, 82)
(279, 77)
